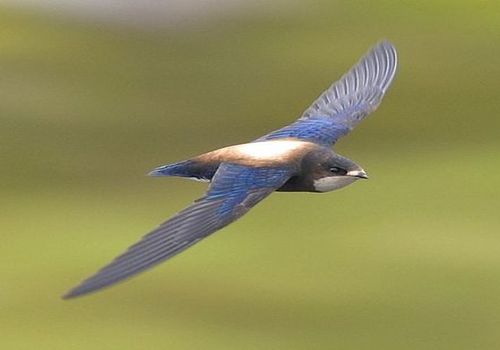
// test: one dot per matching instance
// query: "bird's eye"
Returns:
(338, 171)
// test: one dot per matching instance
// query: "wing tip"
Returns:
(387, 46)
(82, 289)
(88, 286)
(386, 43)
(388, 49)
(73, 293)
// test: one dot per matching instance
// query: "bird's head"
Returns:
(334, 172)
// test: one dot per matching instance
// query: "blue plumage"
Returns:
(234, 190)
(316, 129)
(250, 181)
(346, 102)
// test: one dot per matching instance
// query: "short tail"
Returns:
(187, 168)
(175, 169)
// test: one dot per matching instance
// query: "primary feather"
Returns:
(345, 103)
(235, 190)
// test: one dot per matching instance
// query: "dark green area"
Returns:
(407, 260)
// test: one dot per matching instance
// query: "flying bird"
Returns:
(297, 157)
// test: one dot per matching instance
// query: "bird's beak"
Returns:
(358, 173)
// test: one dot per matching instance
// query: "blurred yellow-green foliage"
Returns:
(407, 260)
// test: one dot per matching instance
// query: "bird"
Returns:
(296, 158)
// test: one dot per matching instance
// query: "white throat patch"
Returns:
(332, 183)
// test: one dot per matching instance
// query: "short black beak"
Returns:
(358, 173)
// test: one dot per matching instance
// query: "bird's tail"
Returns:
(187, 168)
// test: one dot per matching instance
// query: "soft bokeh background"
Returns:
(89, 104)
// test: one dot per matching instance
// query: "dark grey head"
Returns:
(334, 171)
(322, 170)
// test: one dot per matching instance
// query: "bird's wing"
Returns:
(344, 104)
(234, 190)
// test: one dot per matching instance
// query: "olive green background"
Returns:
(407, 260)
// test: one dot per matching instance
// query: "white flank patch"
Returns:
(269, 149)
(332, 183)
(198, 179)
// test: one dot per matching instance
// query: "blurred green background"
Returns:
(407, 260)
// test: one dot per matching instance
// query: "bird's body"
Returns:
(306, 162)
(295, 158)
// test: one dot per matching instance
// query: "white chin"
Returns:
(332, 183)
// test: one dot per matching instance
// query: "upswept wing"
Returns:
(348, 101)
(235, 189)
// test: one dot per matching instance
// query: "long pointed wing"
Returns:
(235, 190)
(348, 101)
